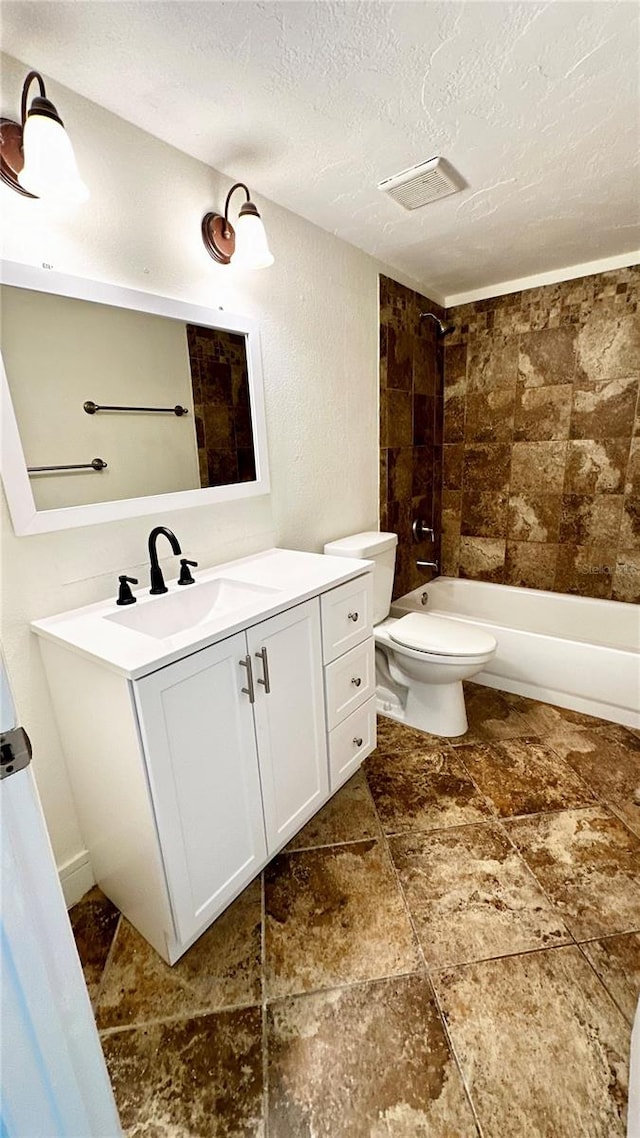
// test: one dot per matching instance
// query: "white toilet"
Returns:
(421, 659)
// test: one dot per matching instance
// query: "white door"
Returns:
(290, 720)
(53, 1078)
(198, 733)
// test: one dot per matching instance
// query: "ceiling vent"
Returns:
(422, 184)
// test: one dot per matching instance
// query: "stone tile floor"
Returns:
(449, 949)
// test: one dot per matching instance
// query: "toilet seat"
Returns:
(438, 636)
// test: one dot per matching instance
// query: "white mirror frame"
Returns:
(24, 515)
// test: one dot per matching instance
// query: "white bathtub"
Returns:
(572, 651)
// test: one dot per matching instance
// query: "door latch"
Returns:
(15, 751)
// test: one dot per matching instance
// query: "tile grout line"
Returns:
(553, 904)
(107, 965)
(178, 1017)
(438, 969)
(592, 790)
(596, 799)
(329, 845)
(425, 970)
(599, 798)
(601, 981)
(456, 1059)
(383, 840)
(263, 981)
(635, 931)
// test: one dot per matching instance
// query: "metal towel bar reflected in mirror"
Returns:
(91, 408)
(97, 464)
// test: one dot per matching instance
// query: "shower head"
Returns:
(443, 329)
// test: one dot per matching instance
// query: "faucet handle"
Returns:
(422, 531)
(185, 577)
(125, 596)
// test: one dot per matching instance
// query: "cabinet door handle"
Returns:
(353, 616)
(262, 655)
(356, 681)
(358, 741)
(246, 663)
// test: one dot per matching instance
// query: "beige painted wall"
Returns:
(318, 312)
(59, 352)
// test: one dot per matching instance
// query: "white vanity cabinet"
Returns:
(234, 743)
(192, 765)
(196, 727)
(286, 655)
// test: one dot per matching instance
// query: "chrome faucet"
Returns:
(427, 565)
(157, 580)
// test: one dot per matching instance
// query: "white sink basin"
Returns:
(194, 605)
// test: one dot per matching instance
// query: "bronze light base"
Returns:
(219, 237)
(11, 156)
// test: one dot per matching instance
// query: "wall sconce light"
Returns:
(246, 245)
(36, 155)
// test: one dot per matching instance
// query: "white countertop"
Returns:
(295, 577)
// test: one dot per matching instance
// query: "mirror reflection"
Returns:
(183, 418)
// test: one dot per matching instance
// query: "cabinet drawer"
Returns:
(350, 742)
(347, 616)
(350, 682)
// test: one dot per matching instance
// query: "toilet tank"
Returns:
(379, 548)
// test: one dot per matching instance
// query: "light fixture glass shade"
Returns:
(50, 169)
(252, 248)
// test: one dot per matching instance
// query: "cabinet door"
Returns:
(290, 720)
(198, 735)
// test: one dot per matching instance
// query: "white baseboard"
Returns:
(76, 877)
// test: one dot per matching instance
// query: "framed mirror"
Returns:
(117, 403)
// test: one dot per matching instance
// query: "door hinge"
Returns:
(15, 751)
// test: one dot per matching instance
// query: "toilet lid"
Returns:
(426, 633)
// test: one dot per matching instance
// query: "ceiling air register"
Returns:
(422, 184)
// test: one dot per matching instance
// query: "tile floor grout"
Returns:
(497, 818)
(456, 1058)
(553, 906)
(264, 1013)
(579, 946)
(382, 839)
(572, 942)
(425, 967)
(266, 1003)
(596, 797)
(105, 969)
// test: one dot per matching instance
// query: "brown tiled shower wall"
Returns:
(542, 438)
(411, 405)
(220, 383)
(541, 455)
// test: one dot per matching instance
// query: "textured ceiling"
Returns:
(313, 103)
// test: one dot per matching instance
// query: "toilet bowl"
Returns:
(427, 660)
(421, 659)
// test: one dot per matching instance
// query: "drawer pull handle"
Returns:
(357, 741)
(356, 681)
(353, 616)
(266, 683)
(246, 663)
